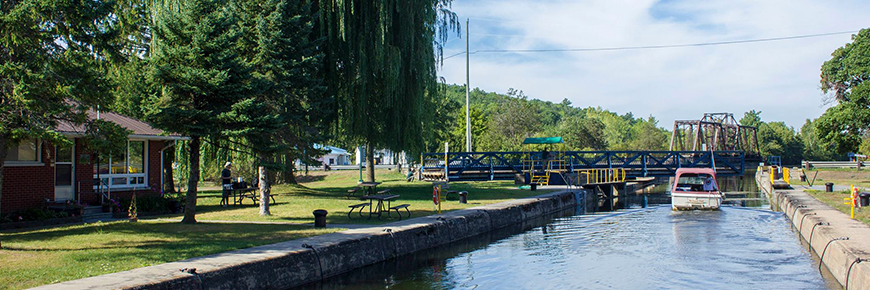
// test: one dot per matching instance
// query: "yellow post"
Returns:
(785, 175)
(852, 199)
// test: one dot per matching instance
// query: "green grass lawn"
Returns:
(33, 258)
(295, 203)
(37, 257)
(836, 200)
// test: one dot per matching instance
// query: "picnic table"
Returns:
(379, 208)
(370, 187)
(249, 192)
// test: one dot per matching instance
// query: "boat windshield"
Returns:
(696, 182)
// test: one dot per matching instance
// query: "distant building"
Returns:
(333, 156)
(382, 156)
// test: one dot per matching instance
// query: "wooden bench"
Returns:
(385, 191)
(449, 192)
(361, 206)
(396, 208)
(352, 192)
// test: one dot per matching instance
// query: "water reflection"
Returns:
(639, 248)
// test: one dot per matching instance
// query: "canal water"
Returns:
(743, 246)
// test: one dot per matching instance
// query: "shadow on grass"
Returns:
(310, 178)
(153, 234)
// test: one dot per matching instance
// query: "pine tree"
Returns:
(276, 115)
(51, 56)
(198, 75)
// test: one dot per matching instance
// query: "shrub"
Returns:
(32, 214)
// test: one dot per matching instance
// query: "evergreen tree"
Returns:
(198, 76)
(51, 56)
(282, 112)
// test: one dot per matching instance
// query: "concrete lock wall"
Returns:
(822, 227)
(298, 262)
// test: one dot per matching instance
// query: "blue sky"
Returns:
(779, 78)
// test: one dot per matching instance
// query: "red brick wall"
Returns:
(28, 186)
(84, 184)
(154, 164)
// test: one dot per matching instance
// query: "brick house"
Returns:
(36, 172)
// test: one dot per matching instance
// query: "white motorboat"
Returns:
(695, 188)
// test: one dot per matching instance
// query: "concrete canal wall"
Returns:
(825, 230)
(298, 262)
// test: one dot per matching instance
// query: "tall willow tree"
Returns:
(381, 61)
(198, 77)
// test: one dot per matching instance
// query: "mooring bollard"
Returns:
(463, 197)
(829, 187)
(320, 218)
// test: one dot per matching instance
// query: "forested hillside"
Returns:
(499, 122)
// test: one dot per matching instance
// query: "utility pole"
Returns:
(467, 92)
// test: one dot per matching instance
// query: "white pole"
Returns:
(446, 149)
(467, 93)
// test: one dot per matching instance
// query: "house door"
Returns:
(63, 173)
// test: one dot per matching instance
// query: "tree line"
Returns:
(262, 81)
(257, 80)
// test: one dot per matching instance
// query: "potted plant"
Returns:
(74, 208)
(173, 202)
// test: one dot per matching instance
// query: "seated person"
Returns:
(710, 184)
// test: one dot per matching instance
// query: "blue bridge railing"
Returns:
(505, 165)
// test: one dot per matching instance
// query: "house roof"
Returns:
(332, 149)
(138, 129)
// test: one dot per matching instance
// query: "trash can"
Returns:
(774, 173)
(829, 187)
(865, 199)
(533, 186)
(320, 218)
(463, 197)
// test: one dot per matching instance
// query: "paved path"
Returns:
(820, 187)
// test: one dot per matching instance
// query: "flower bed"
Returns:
(40, 223)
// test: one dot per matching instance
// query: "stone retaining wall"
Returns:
(298, 262)
(820, 225)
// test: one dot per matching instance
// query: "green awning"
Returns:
(543, 140)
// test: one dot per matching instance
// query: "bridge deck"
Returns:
(506, 165)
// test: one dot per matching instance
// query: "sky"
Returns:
(778, 78)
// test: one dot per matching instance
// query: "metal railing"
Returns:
(603, 175)
(504, 165)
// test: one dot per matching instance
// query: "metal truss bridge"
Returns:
(468, 166)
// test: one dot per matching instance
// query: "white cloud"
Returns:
(779, 78)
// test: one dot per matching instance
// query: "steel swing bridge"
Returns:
(478, 166)
(729, 147)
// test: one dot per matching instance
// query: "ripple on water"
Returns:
(651, 248)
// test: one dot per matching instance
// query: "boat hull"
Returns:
(693, 201)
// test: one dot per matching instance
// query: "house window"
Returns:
(124, 170)
(331, 161)
(26, 151)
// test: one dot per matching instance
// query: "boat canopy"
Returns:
(543, 140)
